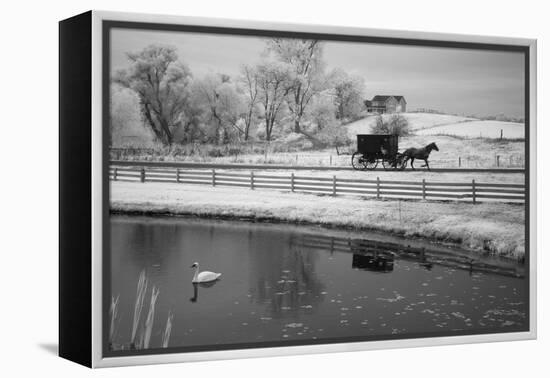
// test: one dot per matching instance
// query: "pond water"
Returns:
(285, 283)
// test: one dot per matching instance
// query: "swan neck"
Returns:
(196, 273)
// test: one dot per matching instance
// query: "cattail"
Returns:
(150, 318)
(140, 296)
(167, 330)
(113, 312)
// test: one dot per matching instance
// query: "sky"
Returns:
(450, 80)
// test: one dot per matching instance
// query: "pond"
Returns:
(297, 284)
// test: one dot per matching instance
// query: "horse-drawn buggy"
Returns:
(375, 148)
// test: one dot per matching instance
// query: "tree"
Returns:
(333, 135)
(223, 106)
(323, 111)
(126, 121)
(249, 80)
(395, 125)
(348, 94)
(272, 78)
(162, 83)
(305, 59)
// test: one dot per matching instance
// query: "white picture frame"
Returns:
(96, 358)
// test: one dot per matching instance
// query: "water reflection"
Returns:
(290, 283)
(377, 262)
(285, 282)
(424, 260)
(383, 254)
(196, 286)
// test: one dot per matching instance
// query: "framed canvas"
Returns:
(232, 189)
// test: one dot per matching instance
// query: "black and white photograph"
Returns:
(271, 189)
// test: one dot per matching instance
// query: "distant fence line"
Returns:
(224, 165)
(330, 160)
(464, 191)
(426, 110)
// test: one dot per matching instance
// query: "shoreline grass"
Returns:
(486, 228)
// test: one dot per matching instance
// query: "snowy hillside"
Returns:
(417, 121)
(444, 124)
(486, 129)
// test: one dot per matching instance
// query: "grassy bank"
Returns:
(491, 227)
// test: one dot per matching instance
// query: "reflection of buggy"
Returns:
(368, 255)
(378, 262)
(374, 148)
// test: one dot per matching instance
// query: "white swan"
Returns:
(203, 276)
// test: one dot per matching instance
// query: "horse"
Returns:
(419, 153)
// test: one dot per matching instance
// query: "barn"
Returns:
(386, 104)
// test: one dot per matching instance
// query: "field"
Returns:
(417, 121)
(457, 138)
(454, 135)
(444, 124)
(473, 153)
(481, 129)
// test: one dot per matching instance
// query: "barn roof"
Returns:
(386, 97)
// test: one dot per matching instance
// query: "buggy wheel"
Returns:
(401, 166)
(389, 164)
(370, 163)
(400, 162)
(358, 162)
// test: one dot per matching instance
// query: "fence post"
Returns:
(501, 134)
(334, 185)
(474, 191)
(115, 174)
(330, 160)
(399, 202)
(177, 175)
(378, 187)
(213, 177)
(459, 162)
(498, 160)
(296, 159)
(423, 189)
(252, 180)
(142, 175)
(292, 181)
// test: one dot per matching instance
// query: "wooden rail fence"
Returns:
(264, 167)
(462, 191)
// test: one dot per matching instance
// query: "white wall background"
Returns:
(28, 257)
